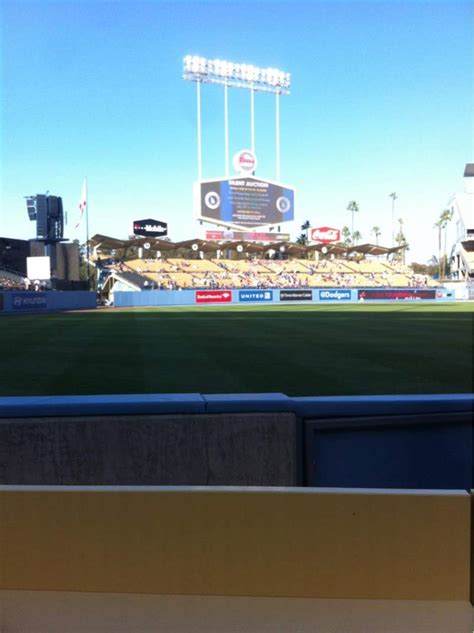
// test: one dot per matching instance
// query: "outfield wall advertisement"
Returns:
(213, 296)
(410, 294)
(296, 295)
(32, 301)
(243, 203)
(255, 296)
(24, 301)
(335, 295)
(274, 296)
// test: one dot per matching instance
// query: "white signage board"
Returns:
(38, 268)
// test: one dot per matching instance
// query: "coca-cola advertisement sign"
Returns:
(324, 235)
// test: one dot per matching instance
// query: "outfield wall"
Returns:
(245, 296)
(21, 302)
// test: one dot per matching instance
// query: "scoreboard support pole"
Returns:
(252, 119)
(277, 130)
(226, 128)
(199, 139)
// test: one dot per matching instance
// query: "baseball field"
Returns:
(298, 350)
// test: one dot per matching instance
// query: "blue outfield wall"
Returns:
(276, 295)
(23, 302)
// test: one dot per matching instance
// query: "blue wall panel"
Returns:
(36, 302)
(418, 451)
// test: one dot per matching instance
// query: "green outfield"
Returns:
(298, 350)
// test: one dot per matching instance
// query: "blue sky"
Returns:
(381, 101)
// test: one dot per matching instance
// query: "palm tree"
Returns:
(305, 227)
(356, 237)
(394, 196)
(445, 217)
(402, 241)
(377, 232)
(438, 225)
(353, 207)
(302, 239)
(346, 234)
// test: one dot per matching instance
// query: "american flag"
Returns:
(83, 202)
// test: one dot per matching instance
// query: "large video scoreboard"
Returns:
(243, 202)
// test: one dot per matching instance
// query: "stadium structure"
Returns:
(461, 206)
(146, 264)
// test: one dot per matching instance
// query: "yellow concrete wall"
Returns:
(260, 542)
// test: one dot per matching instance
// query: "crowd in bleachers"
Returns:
(10, 283)
(177, 273)
(6, 283)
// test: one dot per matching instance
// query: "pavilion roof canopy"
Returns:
(372, 249)
(111, 243)
(248, 247)
(336, 249)
(203, 245)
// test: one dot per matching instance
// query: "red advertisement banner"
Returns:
(213, 296)
(325, 234)
(251, 236)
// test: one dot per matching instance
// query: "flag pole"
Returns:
(87, 236)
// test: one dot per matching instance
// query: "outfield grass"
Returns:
(298, 350)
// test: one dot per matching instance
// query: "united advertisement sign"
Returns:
(324, 235)
(255, 295)
(213, 296)
(244, 202)
(150, 228)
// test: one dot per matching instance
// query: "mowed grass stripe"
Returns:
(299, 350)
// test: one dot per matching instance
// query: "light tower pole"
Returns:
(199, 138)
(230, 75)
(252, 118)
(226, 128)
(277, 132)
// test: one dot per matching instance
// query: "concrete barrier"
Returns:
(255, 449)
(398, 545)
(411, 441)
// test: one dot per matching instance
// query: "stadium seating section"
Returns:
(7, 283)
(262, 273)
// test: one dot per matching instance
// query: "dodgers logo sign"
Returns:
(255, 295)
(334, 295)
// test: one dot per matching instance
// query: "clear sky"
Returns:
(381, 101)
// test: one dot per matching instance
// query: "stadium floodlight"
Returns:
(231, 75)
(218, 71)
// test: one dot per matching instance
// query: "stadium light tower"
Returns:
(229, 74)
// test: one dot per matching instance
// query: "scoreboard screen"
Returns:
(244, 202)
